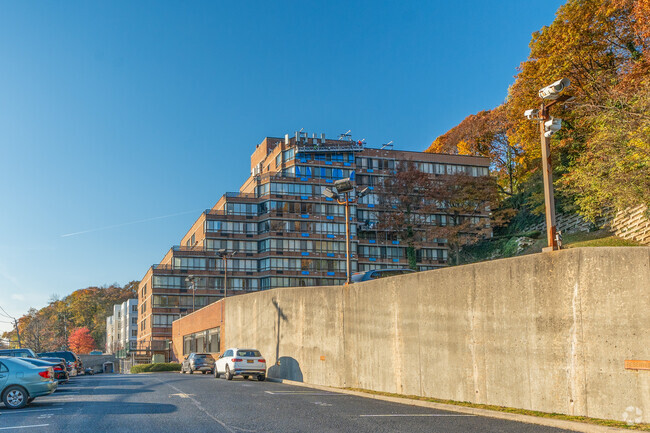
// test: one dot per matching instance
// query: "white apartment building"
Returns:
(122, 327)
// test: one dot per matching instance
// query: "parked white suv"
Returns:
(240, 362)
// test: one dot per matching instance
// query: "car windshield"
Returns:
(16, 353)
(57, 360)
(68, 356)
(203, 356)
(249, 353)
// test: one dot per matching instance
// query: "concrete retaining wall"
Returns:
(547, 332)
(96, 362)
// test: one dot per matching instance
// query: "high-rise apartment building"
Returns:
(279, 230)
(122, 327)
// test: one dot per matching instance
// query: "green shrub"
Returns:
(149, 368)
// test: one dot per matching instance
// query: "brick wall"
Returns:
(206, 318)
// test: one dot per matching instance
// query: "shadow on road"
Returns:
(109, 407)
(100, 391)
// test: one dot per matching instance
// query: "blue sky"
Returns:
(124, 120)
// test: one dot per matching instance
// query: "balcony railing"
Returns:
(339, 146)
(240, 195)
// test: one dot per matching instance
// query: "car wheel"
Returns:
(228, 373)
(191, 371)
(261, 377)
(216, 373)
(15, 397)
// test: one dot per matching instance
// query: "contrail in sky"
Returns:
(129, 223)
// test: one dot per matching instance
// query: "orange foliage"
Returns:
(81, 341)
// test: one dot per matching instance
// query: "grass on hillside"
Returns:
(599, 238)
(583, 419)
(501, 247)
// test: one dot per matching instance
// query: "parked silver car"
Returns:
(203, 362)
(21, 382)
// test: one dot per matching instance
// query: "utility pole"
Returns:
(547, 173)
(348, 279)
(190, 280)
(17, 333)
(343, 188)
(225, 256)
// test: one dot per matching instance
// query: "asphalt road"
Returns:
(171, 402)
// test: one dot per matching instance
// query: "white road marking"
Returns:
(302, 393)
(413, 414)
(30, 410)
(59, 400)
(181, 395)
(199, 406)
(23, 426)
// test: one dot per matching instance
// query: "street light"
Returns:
(190, 280)
(224, 256)
(547, 127)
(344, 186)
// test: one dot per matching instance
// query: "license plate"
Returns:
(250, 361)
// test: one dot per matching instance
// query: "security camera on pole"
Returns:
(548, 126)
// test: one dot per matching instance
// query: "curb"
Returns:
(529, 419)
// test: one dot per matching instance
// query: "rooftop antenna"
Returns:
(346, 136)
(389, 144)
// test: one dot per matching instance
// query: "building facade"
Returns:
(279, 230)
(122, 327)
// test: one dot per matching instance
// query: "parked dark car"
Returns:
(379, 273)
(59, 361)
(74, 364)
(203, 362)
(21, 382)
(60, 372)
(18, 353)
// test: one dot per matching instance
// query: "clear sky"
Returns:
(121, 121)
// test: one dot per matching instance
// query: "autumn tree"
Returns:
(485, 134)
(601, 155)
(465, 203)
(80, 341)
(34, 330)
(405, 199)
(418, 207)
(48, 329)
